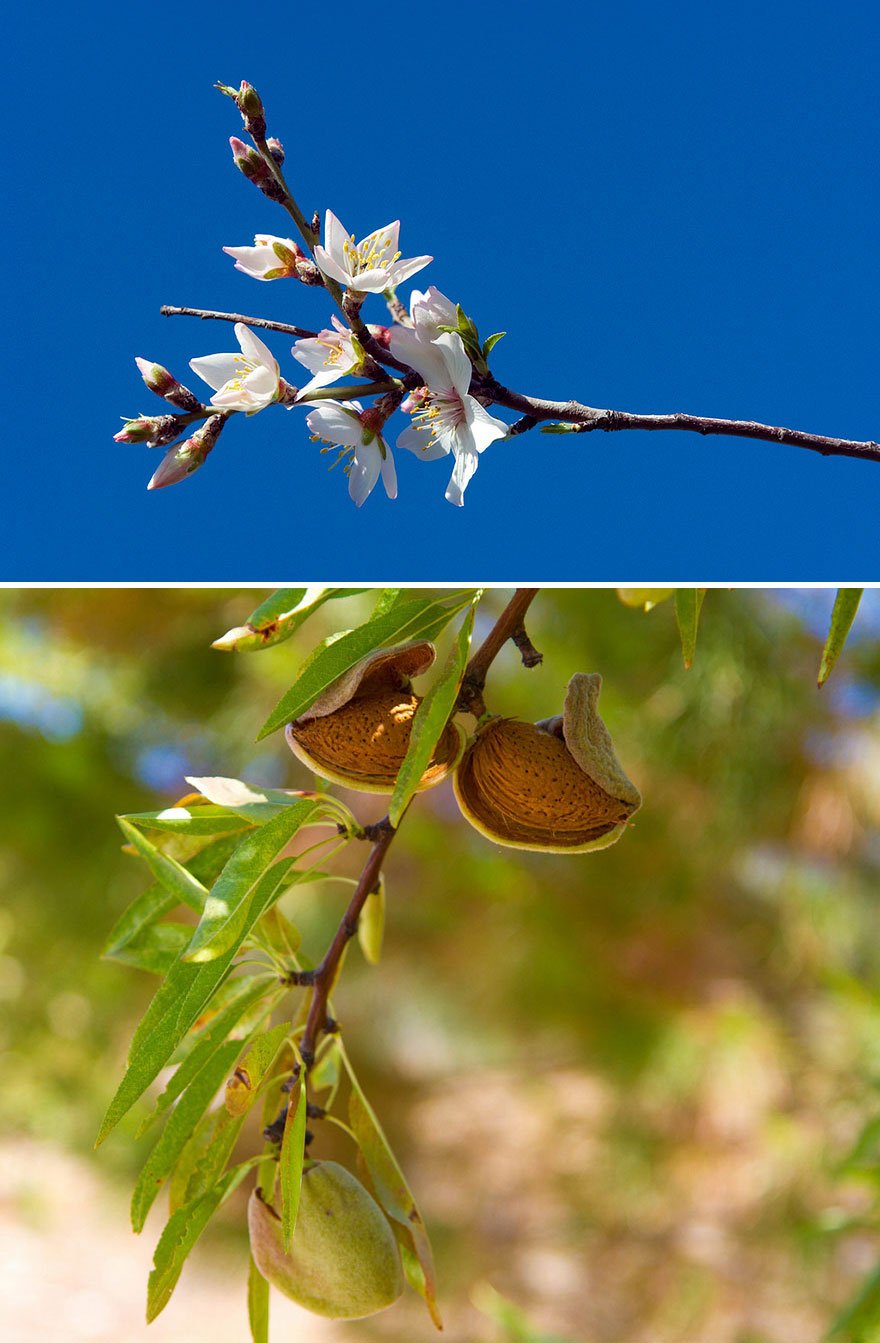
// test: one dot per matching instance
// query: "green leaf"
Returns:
(245, 994)
(394, 621)
(198, 820)
(155, 948)
(688, 602)
(859, 1320)
(491, 341)
(227, 904)
(371, 924)
(171, 874)
(391, 1188)
(291, 1166)
(178, 1004)
(258, 1304)
(431, 718)
(156, 900)
(176, 1133)
(180, 1235)
(278, 617)
(846, 603)
(325, 1072)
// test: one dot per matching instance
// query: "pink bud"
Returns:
(185, 458)
(164, 384)
(381, 334)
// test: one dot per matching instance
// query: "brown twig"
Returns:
(263, 322)
(588, 418)
(509, 625)
(325, 973)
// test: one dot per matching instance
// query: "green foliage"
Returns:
(291, 1165)
(688, 604)
(396, 619)
(431, 718)
(846, 604)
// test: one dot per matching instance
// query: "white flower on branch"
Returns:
(448, 418)
(270, 258)
(248, 381)
(348, 427)
(329, 356)
(370, 266)
(431, 311)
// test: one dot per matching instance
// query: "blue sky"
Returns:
(667, 208)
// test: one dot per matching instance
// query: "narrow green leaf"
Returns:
(155, 948)
(258, 1304)
(291, 1166)
(431, 718)
(859, 1320)
(198, 820)
(491, 341)
(371, 924)
(326, 1072)
(181, 1233)
(278, 617)
(171, 874)
(192, 1105)
(156, 900)
(846, 603)
(227, 904)
(394, 622)
(391, 1188)
(688, 603)
(245, 994)
(178, 1004)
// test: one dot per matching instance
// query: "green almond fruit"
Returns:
(343, 1261)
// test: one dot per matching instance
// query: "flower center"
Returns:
(443, 410)
(372, 254)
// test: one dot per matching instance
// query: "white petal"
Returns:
(420, 442)
(330, 421)
(216, 369)
(262, 383)
(389, 474)
(253, 260)
(335, 237)
(422, 355)
(485, 429)
(466, 464)
(370, 281)
(452, 348)
(253, 348)
(402, 270)
(325, 262)
(386, 237)
(364, 471)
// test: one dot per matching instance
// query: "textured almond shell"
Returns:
(556, 787)
(363, 743)
(343, 1261)
(385, 668)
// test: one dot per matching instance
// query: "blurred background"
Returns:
(635, 1091)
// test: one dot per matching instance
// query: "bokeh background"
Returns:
(635, 1091)
(666, 207)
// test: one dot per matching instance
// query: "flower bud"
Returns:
(343, 1261)
(555, 786)
(276, 149)
(255, 169)
(250, 105)
(155, 430)
(357, 732)
(185, 458)
(164, 384)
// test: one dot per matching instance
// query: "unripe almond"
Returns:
(343, 1261)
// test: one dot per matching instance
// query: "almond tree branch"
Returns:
(587, 418)
(509, 625)
(263, 322)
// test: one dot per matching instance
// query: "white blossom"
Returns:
(248, 381)
(342, 426)
(370, 266)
